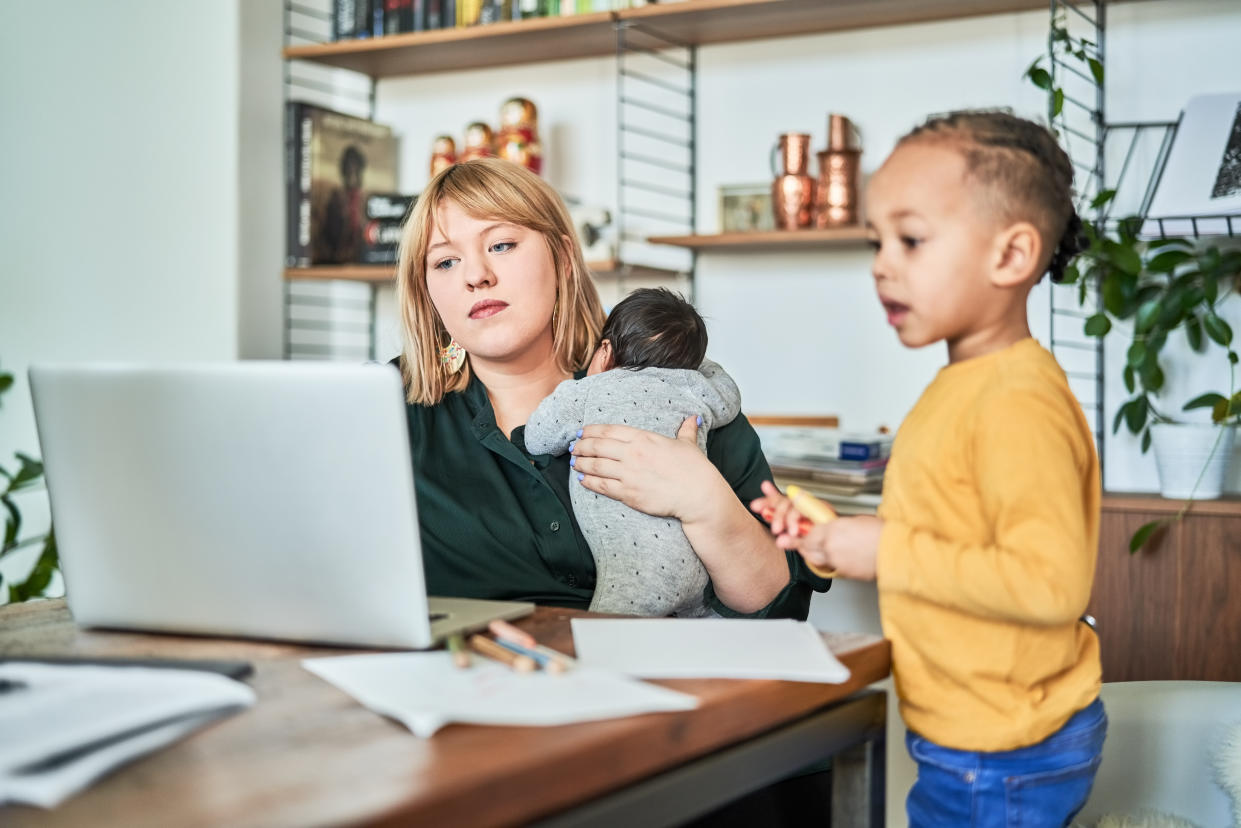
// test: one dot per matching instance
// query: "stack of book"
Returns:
(354, 19)
(827, 460)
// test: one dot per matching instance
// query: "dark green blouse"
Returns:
(496, 521)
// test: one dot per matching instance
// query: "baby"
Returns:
(648, 372)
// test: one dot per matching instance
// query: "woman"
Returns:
(497, 309)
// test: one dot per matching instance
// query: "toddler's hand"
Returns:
(847, 545)
(786, 523)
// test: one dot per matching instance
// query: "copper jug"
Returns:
(792, 192)
(836, 201)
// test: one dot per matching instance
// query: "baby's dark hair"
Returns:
(1026, 173)
(655, 328)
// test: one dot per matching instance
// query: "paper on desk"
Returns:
(707, 648)
(67, 725)
(425, 691)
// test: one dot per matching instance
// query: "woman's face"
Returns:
(494, 285)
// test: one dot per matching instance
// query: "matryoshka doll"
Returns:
(443, 154)
(478, 142)
(518, 140)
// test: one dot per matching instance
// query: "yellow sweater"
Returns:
(987, 555)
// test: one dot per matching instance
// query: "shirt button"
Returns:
(571, 580)
(969, 777)
(555, 527)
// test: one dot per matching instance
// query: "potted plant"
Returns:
(12, 485)
(1150, 290)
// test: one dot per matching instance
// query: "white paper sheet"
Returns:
(67, 725)
(707, 648)
(425, 691)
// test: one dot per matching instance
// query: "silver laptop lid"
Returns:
(268, 499)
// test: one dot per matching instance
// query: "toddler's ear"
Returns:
(1018, 252)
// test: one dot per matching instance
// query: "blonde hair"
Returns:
(491, 188)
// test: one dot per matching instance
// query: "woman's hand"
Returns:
(646, 471)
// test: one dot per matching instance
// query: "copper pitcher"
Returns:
(836, 201)
(792, 192)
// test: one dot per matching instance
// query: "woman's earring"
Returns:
(452, 357)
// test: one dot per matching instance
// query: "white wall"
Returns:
(135, 194)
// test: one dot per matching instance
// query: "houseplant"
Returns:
(1150, 290)
(13, 484)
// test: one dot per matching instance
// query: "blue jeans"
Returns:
(1041, 785)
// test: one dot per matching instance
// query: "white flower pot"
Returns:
(1183, 451)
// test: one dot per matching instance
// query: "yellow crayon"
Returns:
(818, 512)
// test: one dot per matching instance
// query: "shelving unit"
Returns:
(386, 273)
(834, 238)
(675, 26)
(695, 22)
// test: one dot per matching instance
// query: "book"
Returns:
(344, 19)
(385, 219)
(333, 162)
(815, 443)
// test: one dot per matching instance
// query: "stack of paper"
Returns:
(425, 691)
(63, 726)
(707, 648)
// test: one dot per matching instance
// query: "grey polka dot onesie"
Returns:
(644, 564)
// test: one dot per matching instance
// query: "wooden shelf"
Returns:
(594, 35)
(770, 239)
(1228, 505)
(607, 268)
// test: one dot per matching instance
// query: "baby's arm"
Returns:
(1038, 564)
(555, 423)
(719, 393)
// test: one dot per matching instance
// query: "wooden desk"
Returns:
(307, 753)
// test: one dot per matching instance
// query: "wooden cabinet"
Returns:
(1173, 610)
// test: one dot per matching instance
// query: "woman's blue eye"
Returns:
(503, 247)
(445, 264)
(910, 242)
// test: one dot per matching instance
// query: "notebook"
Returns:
(257, 499)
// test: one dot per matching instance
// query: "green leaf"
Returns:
(1217, 329)
(1098, 325)
(1096, 69)
(1121, 414)
(6, 382)
(1152, 377)
(1167, 261)
(1143, 534)
(13, 523)
(30, 471)
(1071, 275)
(1148, 312)
(1039, 77)
(1124, 257)
(1146, 441)
(40, 576)
(1114, 296)
(1136, 355)
(1232, 357)
(1057, 101)
(1193, 332)
(1210, 287)
(1130, 381)
(1170, 241)
(1205, 401)
(1136, 416)
(1102, 198)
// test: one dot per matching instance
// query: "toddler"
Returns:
(984, 547)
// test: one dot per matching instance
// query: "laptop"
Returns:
(266, 500)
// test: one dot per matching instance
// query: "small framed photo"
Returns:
(746, 208)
